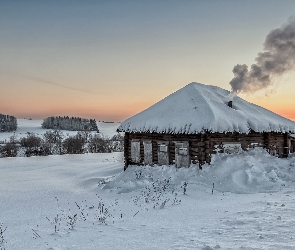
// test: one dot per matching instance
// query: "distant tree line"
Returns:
(69, 123)
(8, 123)
(53, 142)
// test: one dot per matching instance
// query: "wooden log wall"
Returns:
(286, 146)
(127, 150)
(291, 143)
(276, 144)
(202, 146)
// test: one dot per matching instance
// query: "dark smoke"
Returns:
(278, 58)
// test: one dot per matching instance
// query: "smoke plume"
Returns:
(278, 58)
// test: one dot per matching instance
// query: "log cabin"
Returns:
(197, 121)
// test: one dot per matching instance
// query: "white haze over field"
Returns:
(34, 126)
(89, 202)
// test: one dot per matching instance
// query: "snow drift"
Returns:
(247, 172)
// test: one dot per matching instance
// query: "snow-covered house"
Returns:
(199, 120)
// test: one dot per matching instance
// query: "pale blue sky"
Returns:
(111, 59)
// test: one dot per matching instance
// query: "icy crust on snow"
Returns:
(197, 108)
(255, 171)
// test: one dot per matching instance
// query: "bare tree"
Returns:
(52, 142)
(10, 149)
(7, 123)
(32, 143)
(98, 144)
(73, 145)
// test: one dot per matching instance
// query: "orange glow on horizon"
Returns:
(280, 102)
(117, 106)
(287, 113)
(108, 112)
(117, 113)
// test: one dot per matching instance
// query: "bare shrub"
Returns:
(98, 144)
(32, 144)
(117, 143)
(10, 149)
(73, 145)
(2, 230)
(52, 142)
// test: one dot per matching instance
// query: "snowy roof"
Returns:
(197, 108)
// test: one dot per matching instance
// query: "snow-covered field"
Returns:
(34, 126)
(251, 206)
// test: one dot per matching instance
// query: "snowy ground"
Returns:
(252, 205)
(34, 126)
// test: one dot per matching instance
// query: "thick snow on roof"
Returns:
(197, 108)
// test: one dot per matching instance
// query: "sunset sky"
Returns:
(109, 60)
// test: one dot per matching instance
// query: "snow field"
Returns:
(252, 205)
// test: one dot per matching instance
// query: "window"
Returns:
(163, 153)
(292, 146)
(148, 152)
(182, 151)
(163, 148)
(232, 147)
(135, 151)
(182, 157)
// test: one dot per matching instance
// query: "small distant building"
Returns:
(199, 120)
